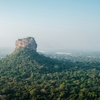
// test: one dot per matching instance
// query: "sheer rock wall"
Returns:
(28, 42)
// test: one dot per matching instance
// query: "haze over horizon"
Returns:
(55, 24)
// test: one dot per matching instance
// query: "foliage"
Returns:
(27, 75)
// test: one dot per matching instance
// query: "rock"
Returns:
(28, 42)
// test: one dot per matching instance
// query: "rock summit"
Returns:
(28, 42)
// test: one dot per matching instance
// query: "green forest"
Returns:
(28, 75)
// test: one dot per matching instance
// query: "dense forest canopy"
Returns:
(28, 75)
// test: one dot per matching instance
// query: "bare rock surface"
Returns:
(28, 42)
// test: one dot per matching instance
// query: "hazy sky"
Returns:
(68, 24)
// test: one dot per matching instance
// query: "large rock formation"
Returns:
(28, 42)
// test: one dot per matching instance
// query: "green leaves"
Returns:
(27, 75)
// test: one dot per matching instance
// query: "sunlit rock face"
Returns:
(28, 42)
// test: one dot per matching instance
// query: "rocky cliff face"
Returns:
(28, 42)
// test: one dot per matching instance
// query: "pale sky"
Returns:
(55, 24)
